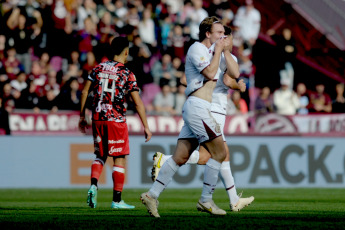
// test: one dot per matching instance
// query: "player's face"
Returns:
(217, 31)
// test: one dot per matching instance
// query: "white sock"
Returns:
(168, 170)
(194, 158)
(228, 181)
(210, 179)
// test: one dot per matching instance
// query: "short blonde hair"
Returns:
(206, 25)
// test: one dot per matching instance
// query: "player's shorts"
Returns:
(110, 138)
(220, 118)
(198, 121)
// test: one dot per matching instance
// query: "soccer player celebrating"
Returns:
(110, 81)
(201, 156)
(202, 71)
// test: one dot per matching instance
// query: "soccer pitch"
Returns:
(273, 208)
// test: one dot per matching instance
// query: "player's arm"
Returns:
(139, 105)
(210, 71)
(83, 98)
(233, 84)
(231, 64)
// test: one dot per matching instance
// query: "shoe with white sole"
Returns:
(121, 205)
(158, 161)
(151, 204)
(242, 202)
(210, 207)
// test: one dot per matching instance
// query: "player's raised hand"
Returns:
(148, 134)
(228, 43)
(220, 44)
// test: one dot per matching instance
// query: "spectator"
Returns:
(248, 20)
(69, 97)
(195, 17)
(23, 33)
(287, 51)
(264, 103)
(163, 69)
(87, 10)
(29, 98)
(147, 29)
(180, 98)
(48, 102)
(285, 99)
(51, 83)
(239, 103)
(106, 6)
(139, 61)
(19, 83)
(302, 94)
(338, 104)
(11, 64)
(164, 102)
(177, 41)
(320, 102)
(88, 38)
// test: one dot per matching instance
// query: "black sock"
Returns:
(116, 196)
(94, 181)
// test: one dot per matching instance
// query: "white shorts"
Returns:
(198, 121)
(220, 119)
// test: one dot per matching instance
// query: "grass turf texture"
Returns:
(272, 208)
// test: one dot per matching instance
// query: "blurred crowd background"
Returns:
(48, 47)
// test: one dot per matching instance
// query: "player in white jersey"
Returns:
(201, 156)
(200, 127)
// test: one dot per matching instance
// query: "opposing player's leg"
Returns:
(118, 176)
(183, 150)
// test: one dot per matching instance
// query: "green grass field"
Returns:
(272, 208)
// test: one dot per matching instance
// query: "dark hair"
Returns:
(206, 25)
(118, 44)
(227, 30)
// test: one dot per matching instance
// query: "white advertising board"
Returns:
(256, 162)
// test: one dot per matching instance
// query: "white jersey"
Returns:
(197, 59)
(219, 96)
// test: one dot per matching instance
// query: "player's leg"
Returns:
(159, 159)
(118, 148)
(118, 176)
(97, 164)
(217, 151)
(183, 150)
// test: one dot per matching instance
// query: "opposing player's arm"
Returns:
(139, 105)
(83, 98)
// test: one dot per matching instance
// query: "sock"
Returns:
(228, 181)
(118, 181)
(96, 170)
(116, 196)
(168, 170)
(194, 157)
(210, 179)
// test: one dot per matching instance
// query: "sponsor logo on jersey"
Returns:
(103, 107)
(116, 142)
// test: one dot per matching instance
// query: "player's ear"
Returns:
(127, 51)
